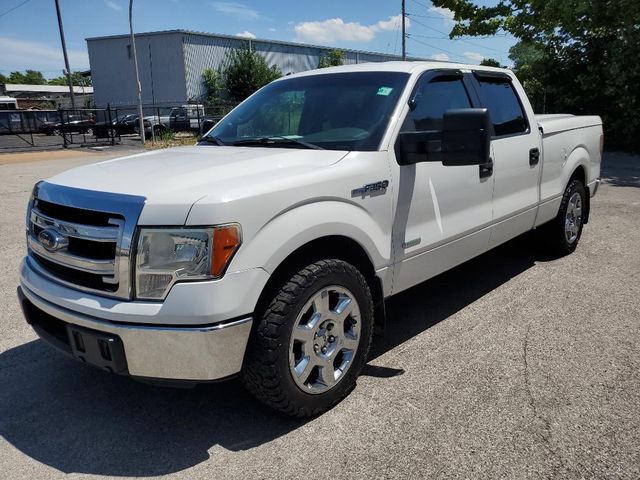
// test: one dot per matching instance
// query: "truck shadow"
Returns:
(77, 419)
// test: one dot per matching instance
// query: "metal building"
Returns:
(171, 63)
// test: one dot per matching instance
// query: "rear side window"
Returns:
(500, 98)
(432, 100)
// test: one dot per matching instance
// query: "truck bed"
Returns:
(567, 140)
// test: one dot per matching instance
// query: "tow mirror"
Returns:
(465, 139)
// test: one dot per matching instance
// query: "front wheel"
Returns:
(565, 230)
(312, 341)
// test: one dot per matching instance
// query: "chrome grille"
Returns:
(83, 238)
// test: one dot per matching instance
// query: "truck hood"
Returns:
(173, 180)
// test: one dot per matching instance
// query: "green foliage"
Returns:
(34, 77)
(246, 72)
(29, 77)
(490, 62)
(334, 58)
(76, 79)
(214, 84)
(574, 56)
(167, 135)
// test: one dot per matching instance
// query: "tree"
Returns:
(29, 77)
(77, 79)
(582, 54)
(3, 79)
(214, 85)
(490, 62)
(334, 58)
(246, 72)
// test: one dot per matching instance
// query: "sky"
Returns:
(29, 37)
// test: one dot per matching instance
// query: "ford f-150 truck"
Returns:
(268, 250)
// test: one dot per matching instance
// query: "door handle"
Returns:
(486, 170)
(534, 156)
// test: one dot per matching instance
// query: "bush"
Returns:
(246, 72)
(214, 85)
(334, 58)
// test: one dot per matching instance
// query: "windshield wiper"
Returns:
(211, 139)
(275, 141)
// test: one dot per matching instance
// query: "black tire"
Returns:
(555, 230)
(266, 372)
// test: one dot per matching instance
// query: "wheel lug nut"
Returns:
(324, 349)
(332, 339)
(316, 348)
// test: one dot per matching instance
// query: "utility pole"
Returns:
(404, 35)
(135, 62)
(66, 58)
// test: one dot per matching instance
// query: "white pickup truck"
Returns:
(269, 249)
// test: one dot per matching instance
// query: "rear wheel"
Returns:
(565, 230)
(312, 341)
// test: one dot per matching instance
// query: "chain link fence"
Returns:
(38, 129)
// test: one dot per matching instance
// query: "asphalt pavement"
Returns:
(514, 365)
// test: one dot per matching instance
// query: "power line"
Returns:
(446, 37)
(434, 47)
(14, 8)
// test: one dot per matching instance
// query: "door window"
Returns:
(500, 98)
(432, 100)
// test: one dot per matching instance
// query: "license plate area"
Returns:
(102, 350)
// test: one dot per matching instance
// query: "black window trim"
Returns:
(479, 74)
(429, 75)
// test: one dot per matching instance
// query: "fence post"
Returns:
(110, 127)
(62, 128)
(199, 122)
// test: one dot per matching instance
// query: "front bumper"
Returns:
(197, 353)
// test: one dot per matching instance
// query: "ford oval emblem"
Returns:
(52, 240)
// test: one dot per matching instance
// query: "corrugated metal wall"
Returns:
(159, 61)
(204, 51)
(171, 64)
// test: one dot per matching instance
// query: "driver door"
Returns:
(443, 214)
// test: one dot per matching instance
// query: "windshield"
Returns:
(338, 111)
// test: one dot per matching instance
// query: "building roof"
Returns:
(44, 89)
(235, 37)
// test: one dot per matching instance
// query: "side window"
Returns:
(433, 99)
(504, 106)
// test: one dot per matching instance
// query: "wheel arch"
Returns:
(578, 162)
(339, 247)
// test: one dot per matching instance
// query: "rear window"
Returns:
(500, 98)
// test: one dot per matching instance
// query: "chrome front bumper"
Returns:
(197, 353)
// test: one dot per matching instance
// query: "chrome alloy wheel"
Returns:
(325, 338)
(573, 218)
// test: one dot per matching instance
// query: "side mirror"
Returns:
(465, 139)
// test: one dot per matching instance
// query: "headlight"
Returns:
(168, 255)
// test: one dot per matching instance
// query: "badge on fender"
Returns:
(370, 189)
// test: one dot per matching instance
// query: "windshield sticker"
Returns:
(384, 91)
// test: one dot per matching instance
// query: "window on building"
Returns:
(433, 98)
(498, 95)
(129, 55)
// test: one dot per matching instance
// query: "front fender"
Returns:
(291, 229)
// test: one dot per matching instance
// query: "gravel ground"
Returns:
(514, 365)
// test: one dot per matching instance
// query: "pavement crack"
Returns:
(546, 433)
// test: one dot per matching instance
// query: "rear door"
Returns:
(443, 214)
(516, 155)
